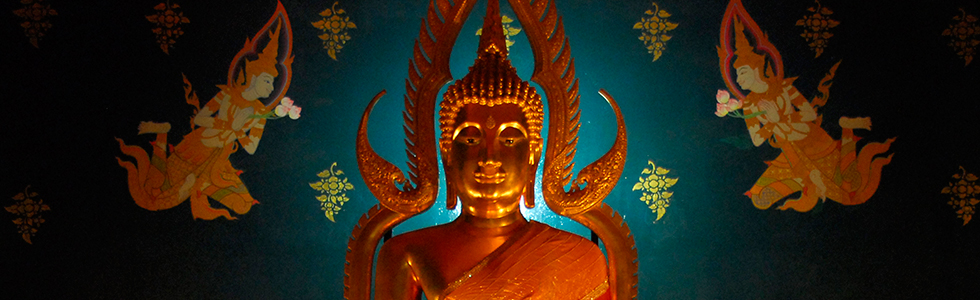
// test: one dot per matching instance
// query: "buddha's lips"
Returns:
(494, 178)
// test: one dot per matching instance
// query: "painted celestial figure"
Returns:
(198, 167)
(811, 162)
(490, 124)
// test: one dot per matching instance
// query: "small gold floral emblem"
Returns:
(333, 189)
(963, 194)
(334, 27)
(654, 187)
(816, 27)
(167, 20)
(28, 212)
(964, 35)
(35, 17)
(655, 30)
(509, 30)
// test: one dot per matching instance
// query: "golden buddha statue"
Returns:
(491, 144)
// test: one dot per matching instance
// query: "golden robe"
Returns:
(539, 263)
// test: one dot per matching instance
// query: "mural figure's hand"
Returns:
(225, 105)
(241, 117)
(772, 113)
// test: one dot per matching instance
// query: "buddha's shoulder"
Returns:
(555, 236)
(416, 239)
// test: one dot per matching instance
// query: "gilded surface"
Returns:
(964, 194)
(655, 27)
(335, 26)
(655, 189)
(964, 36)
(36, 19)
(816, 27)
(27, 213)
(167, 19)
(333, 187)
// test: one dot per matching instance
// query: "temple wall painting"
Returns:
(777, 149)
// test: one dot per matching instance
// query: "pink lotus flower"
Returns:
(286, 107)
(726, 105)
(722, 96)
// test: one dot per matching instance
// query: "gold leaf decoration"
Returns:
(964, 36)
(334, 24)
(964, 194)
(35, 16)
(167, 19)
(509, 30)
(655, 28)
(333, 187)
(655, 189)
(816, 27)
(28, 213)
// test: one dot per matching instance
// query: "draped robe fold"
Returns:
(539, 263)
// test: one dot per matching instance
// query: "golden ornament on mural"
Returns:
(816, 27)
(167, 20)
(333, 187)
(655, 30)
(964, 36)
(334, 25)
(654, 187)
(490, 124)
(964, 194)
(28, 212)
(35, 16)
(509, 30)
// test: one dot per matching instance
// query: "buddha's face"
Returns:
(262, 84)
(490, 159)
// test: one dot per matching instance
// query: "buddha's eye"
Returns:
(469, 136)
(510, 137)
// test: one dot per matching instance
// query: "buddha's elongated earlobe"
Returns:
(450, 196)
(529, 188)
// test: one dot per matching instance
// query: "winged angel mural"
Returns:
(197, 168)
(491, 144)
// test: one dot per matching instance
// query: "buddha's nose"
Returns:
(489, 166)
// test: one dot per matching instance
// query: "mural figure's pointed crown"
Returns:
(267, 58)
(490, 81)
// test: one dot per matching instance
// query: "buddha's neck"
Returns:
(478, 226)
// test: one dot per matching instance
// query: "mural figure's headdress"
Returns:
(275, 58)
(491, 81)
(737, 27)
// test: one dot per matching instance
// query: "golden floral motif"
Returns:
(964, 194)
(333, 188)
(167, 19)
(35, 17)
(816, 27)
(654, 187)
(335, 27)
(28, 212)
(655, 30)
(964, 35)
(509, 30)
